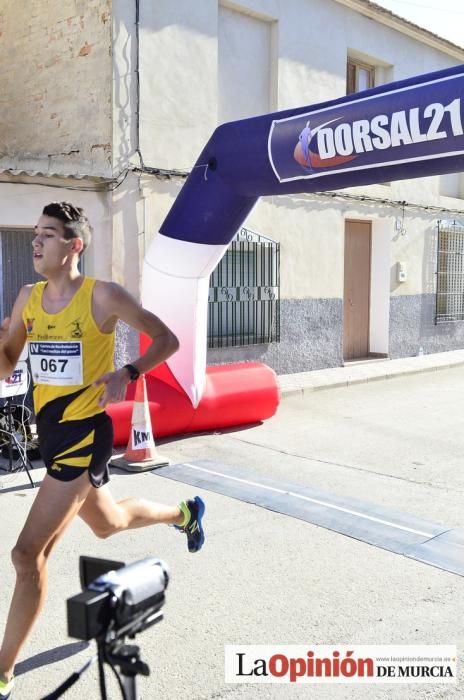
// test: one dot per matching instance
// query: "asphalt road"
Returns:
(268, 578)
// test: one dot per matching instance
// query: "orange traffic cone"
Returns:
(140, 454)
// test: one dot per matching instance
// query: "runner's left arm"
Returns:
(120, 305)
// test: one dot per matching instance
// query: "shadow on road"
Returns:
(50, 657)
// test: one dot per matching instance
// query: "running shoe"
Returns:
(6, 689)
(193, 509)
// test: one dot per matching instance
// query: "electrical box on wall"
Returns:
(401, 274)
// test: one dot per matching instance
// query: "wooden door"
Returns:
(356, 295)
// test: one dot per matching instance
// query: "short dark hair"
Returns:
(76, 223)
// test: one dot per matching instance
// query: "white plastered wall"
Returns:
(379, 312)
(178, 80)
(22, 204)
(183, 99)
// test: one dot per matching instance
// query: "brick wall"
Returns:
(55, 86)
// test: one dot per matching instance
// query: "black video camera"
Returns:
(118, 600)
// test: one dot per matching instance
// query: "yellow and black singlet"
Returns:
(67, 353)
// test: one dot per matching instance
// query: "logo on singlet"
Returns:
(56, 467)
(76, 330)
(30, 324)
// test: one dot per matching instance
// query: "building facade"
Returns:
(110, 106)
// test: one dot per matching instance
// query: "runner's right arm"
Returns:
(13, 334)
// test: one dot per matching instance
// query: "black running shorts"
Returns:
(73, 447)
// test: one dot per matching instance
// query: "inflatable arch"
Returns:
(401, 130)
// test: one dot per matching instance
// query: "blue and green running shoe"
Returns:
(193, 510)
(6, 688)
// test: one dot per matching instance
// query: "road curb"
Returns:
(337, 377)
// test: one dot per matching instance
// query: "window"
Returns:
(450, 272)
(244, 307)
(359, 76)
(16, 270)
(16, 266)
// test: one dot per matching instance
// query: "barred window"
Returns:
(450, 272)
(16, 266)
(244, 291)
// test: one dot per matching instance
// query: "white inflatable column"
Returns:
(175, 284)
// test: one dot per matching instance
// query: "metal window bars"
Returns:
(450, 272)
(16, 266)
(244, 293)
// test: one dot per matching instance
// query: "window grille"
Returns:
(450, 272)
(16, 270)
(244, 293)
(16, 266)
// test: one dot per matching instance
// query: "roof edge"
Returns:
(390, 19)
(72, 182)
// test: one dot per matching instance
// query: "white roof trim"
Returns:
(384, 16)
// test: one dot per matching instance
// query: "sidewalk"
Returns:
(366, 371)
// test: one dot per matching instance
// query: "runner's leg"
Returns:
(106, 516)
(55, 505)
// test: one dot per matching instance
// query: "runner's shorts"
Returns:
(72, 447)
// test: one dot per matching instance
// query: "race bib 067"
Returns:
(56, 362)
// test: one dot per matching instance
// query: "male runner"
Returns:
(69, 322)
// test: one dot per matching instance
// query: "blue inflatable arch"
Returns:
(412, 128)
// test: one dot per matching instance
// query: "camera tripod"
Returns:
(116, 653)
(117, 602)
(8, 410)
(127, 658)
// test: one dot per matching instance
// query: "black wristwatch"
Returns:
(133, 372)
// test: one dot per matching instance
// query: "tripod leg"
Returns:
(25, 462)
(9, 409)
(127, 658)
(27, 467)
(130, 686)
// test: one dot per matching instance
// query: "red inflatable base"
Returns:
(235, 394)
